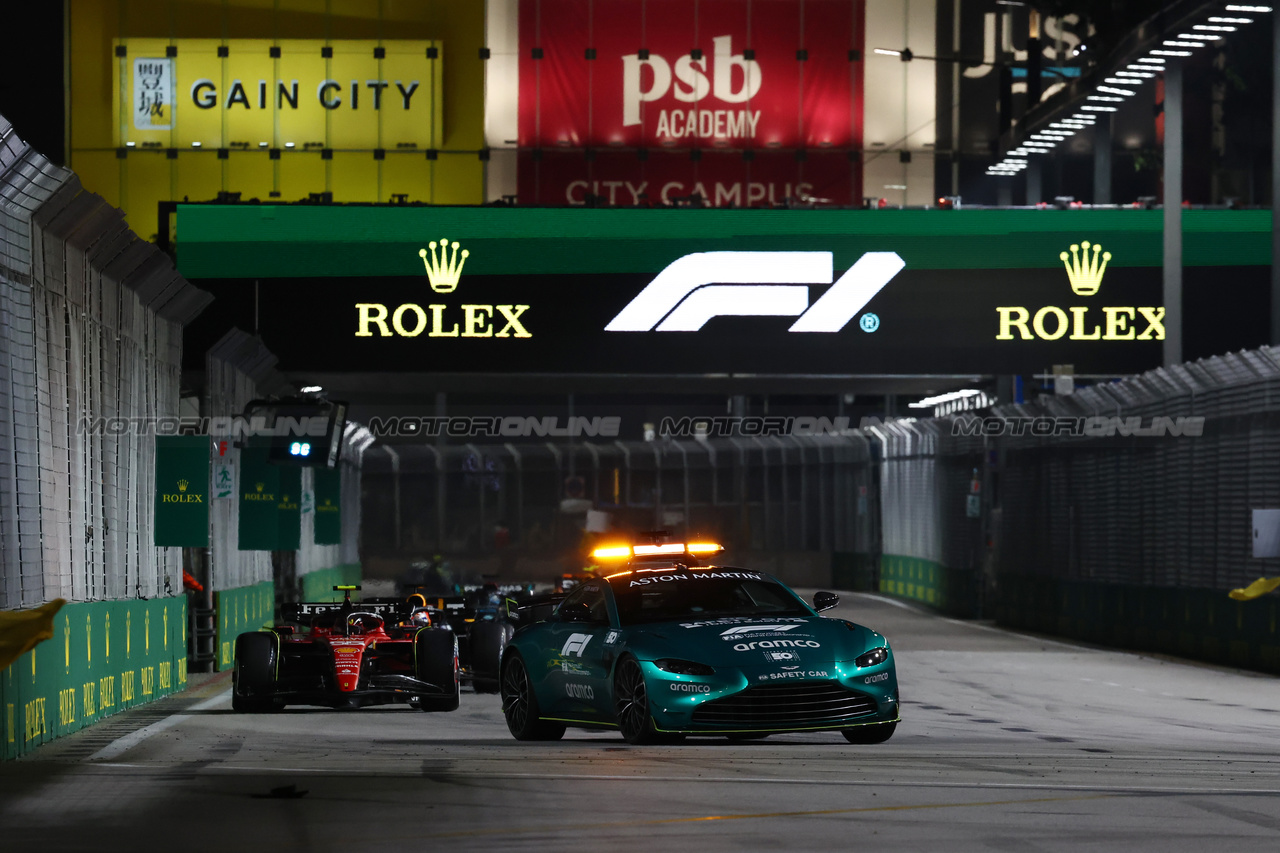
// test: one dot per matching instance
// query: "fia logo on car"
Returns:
(575, 645)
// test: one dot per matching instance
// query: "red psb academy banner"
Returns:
(719, 77)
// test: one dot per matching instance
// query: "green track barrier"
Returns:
(1203, 624)
(105, 656)
(245, 608)
(952, 591)
(318, 585)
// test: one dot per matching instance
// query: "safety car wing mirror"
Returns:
(825, 601)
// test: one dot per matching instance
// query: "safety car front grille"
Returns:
(778, 705)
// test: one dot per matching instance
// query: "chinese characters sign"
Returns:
(303, 94)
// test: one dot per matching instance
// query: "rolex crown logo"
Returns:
(258, 486)
(443, 271)
(182, 485)
(1085, 273)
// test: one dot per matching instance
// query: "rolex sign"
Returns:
(182, 491)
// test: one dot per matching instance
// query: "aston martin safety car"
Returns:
(348, 655)
(666, 646)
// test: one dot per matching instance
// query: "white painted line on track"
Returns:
(129, 741)
(231, 769)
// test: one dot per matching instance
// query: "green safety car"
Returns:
(666, 646)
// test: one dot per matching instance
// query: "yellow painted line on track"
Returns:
(623, 824)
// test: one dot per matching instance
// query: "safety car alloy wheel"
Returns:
(520, 705)
(631, 706)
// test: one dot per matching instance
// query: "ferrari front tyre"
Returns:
(870, 733)
(436, 654)
(486, 641)
(254, 678)
(520, 704)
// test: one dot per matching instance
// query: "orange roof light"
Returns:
(703, 547)
(669, 548)
(612, 552)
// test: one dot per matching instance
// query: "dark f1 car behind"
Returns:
(483, 618)
(348, 656)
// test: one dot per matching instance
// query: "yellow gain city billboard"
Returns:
(303, 94)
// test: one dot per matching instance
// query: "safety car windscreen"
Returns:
(684, 594)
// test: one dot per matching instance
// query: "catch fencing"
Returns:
(92, 320)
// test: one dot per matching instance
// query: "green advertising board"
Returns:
(699, 292)
(105, 657)
(328, 506)
(289, 509)
(259, 501)
(239, 610)
(182, 491)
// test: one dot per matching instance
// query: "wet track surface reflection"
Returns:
(1008, 742)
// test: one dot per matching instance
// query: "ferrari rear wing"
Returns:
(389, 611)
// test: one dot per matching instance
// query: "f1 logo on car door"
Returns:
(575, 645)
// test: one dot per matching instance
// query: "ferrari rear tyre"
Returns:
(254, 678)
(631, 706)
(486, 641)
(520, 704)
(870, 733)
(436, 652)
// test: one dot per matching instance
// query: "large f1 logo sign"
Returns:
(697, 287)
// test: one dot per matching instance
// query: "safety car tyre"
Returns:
(254, 677)
(486, 641)
(436, 662)
(631, 706)
(520, 704)
(870, 733)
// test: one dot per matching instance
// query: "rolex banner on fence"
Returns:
(328, 511)
(289, 509)
(260, 494)
(182, 491)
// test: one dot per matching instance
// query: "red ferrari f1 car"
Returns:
(348, 656)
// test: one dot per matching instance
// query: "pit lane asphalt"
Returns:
(1008, 743)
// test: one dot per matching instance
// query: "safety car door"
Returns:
(579, 676)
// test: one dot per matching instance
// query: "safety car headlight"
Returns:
(873, 657)
(683, 667)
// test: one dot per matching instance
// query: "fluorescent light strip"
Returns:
(1171, 52)
(1204, 37)
(1100, 109)
(1176, 43)
(883, 52)
(1213, 28)
(1216, 20)
(1233, 8)
(1111, 91)
(1148, 61)
(1139, 74)
(1104, 98)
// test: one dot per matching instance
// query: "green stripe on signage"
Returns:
(230, 241)
(245, 608)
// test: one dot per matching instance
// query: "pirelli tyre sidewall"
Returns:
(436, 662)
(486, 641)
(254, 677)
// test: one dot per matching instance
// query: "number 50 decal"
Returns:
(695, 288)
